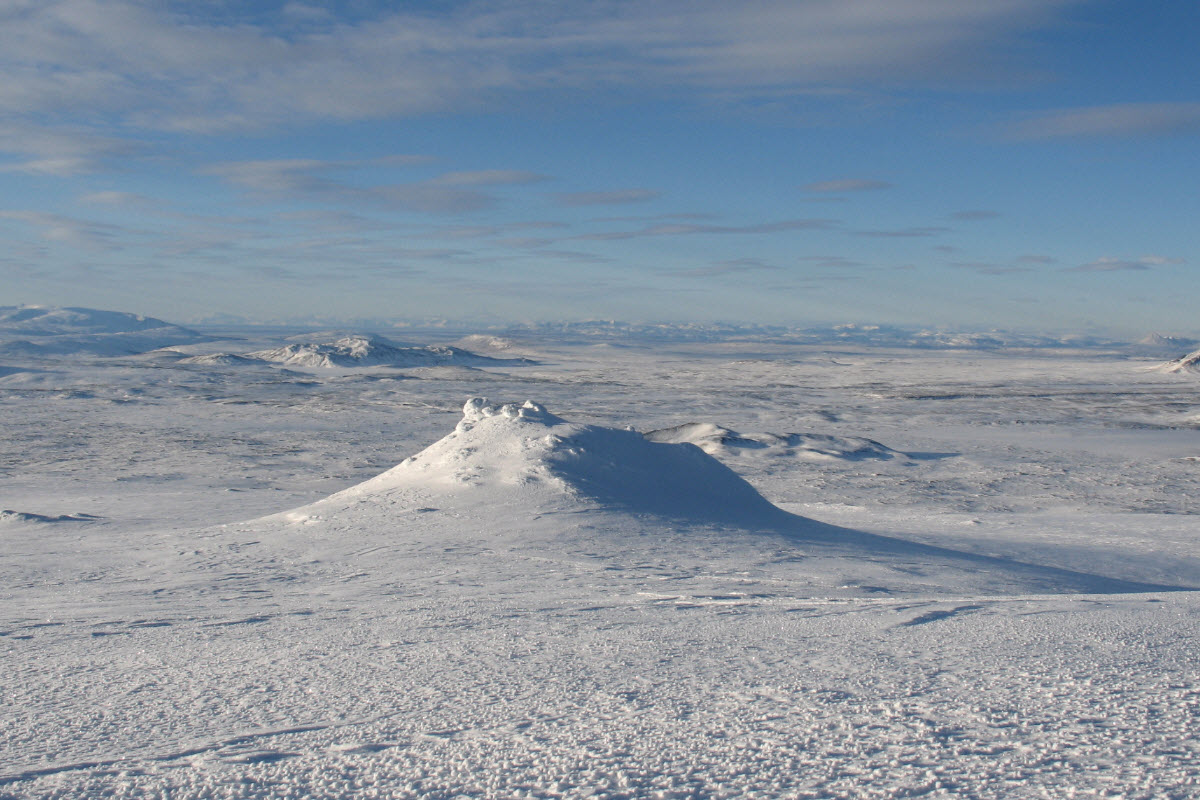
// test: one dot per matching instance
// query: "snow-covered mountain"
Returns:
(54, 321)
(1157, 344)
(498, 454)
(1187, 363)
(35, 331)
(518, 478)
(374, 351)
(849, 333)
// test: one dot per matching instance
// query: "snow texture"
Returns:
(716, 440)
(534, 600)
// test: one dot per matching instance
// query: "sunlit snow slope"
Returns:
(1187, 363)
(520, 478)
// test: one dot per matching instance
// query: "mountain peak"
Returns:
(515, 476)
(505, 453)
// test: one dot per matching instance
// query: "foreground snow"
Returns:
(543, 603)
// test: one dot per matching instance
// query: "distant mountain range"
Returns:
(30, 331)
(856, 334)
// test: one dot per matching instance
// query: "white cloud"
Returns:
(732, 266)
(112, 198)
(847, 185)
(1126, 119)
(1110, 264)
(312, 179)
(685, 229)
(617, 197)
(61, 150)
(60, 167)
(904, 233)
(988, 268)
(146, 65)
(489, 177)
(83, 234)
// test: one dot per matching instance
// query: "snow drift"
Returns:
(10, 517)
(716, 441)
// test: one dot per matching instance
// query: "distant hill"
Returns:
(31, 332)
(1187, 363)
(1156, 344)
(376, 351)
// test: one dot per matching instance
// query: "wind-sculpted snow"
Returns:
(10, 517)
(374, 351)
(715, 440)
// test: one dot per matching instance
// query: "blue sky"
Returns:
(1028, 164)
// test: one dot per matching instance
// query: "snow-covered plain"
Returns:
(879, 573)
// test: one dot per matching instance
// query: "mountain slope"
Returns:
(1187, 363)
(518, 480)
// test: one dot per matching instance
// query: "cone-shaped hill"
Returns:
(504, 453)
(515, 482)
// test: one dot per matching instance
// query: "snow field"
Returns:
(494, 699)
(488, 627)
